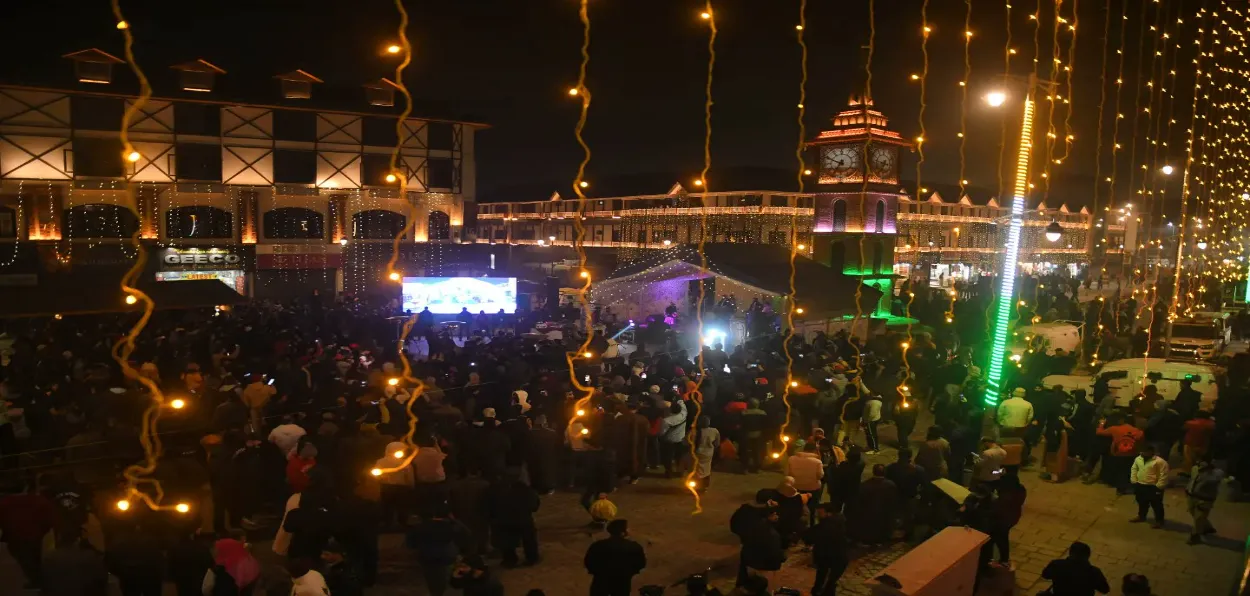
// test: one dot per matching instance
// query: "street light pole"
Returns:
(1011, 254)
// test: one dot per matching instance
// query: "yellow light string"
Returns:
(138, 474)
(1148, 169)
(925, 30)
(1115, 149)
(583, 92)
(963, 130)
(1068, 137)
(1163, 131)
(1052, 96)
(697, 394)
(1189, 156)
(863, 203)
(410, 446)
(1137, 111)
(791, 298)
(1002, 155)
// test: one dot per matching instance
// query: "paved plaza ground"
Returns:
(679, 543)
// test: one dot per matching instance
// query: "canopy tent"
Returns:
(85, 294)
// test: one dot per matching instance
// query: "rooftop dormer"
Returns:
(381, 92)
(93, 65)
(297, 84)
(198, 75)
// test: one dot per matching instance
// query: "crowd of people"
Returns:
(307, 428)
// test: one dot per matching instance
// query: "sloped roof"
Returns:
(749, 178)
(62, 293)
(819, 289)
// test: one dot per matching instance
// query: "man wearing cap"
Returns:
(1015, 414)
(614, 561)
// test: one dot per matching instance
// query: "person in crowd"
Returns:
(614, 561)
(845, 480)
(190, 561)
(672, 435)
(473, 578)
(872, 512)
(744, 520)
(511, 505)
(1197, 441)
(1124, 447)
(933, 454)
(872, 419)
(339, 573)
(1135, 584)
(762, 546)
(1015, 414)
(439, 541)
(1074, 575)
(24, 520)
(1201, 493)
(1149, 476)
(809, 474)
(1007, 511)
(234, 570)
(988, 464)
(73, 568)
(751, 451)
(828, 539)
(706, 441)
(909, 478)
(306, 581)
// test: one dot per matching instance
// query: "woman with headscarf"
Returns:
(706, 441)
(234, 571)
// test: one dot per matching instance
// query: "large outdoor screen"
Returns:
(448, 295)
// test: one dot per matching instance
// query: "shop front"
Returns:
(286, 271)
(230, 265)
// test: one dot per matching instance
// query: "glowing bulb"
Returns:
(57, 316)
(391, 178)
(794, 383)
(807, 172)
(1202, 245)
(585, 431)
(801, 247)
(705, 15)
(692, 484)
(905, 345)
(393, 49)
(785, 438)
(585, 274)
(133, 156)
(776, 455)
(667, 242)
(398, 454)
(1167, 170)
(915, 77)
(698, 183)
(394, 276)
(342, 242)
(123, 504)
(588, 355)
(182, 507)
(178, 404)
(131, 299)
(376, 471)
(798, 311)
(581, 412)
(393, 381)
(123, 25)
(798, 27)
(583, 184)
(996, 98)
(573, 91)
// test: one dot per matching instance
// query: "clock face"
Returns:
(884, 164)
(841, 164)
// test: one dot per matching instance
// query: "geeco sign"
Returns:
(174, 256)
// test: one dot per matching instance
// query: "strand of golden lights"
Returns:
(1138, 279)
(1070, 107)
(1101, 238)
(403, 457)
(1154, 130)
(963, 104)
(1208, 58)
(691, 483)
(1053, 95)
(791, 298)
(1224, 259)
(139, 475)
(581, 91)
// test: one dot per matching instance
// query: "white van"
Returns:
(1127, 377)
(1045, 337)
(1200, 337)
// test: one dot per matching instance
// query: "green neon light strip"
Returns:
(1012, 253)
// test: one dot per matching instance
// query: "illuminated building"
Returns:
(286, 180)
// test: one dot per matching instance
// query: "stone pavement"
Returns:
(679, 543)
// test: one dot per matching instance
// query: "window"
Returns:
(377, 224)
(294, 167)
(98, 157)
(197, 119)
(294, 125)
(839, 215)
(439, 136)
(379, 132)
(197, 162)
(777, 237)
(95, 113)
(880, 217)
(100, 221)
(750, 200)
(440, 173)
(616, 234)
(198, 221)
(293, 223)
(8, 223)
(501, 234)
(374, 167)
(778, 201)
(439, 226)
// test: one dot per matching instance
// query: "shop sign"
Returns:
(200, 256)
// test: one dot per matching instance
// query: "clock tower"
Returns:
(857, 188)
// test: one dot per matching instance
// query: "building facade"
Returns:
(310, 192)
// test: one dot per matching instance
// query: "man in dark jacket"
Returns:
(439, 542)
(829, 549)
(908, 478)
(761, 545)
(1202, 490)
(511, 505)
(614, 561)
(744, 520)
(1074, 575)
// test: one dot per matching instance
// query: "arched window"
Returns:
(100, 221)
(439, 226)
(293, 223)
(880, 222)
(839, 216)
(377, 224)
(198, 221)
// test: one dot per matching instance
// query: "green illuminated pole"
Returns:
(1011, 254)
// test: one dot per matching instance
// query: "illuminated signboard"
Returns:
(236, 279)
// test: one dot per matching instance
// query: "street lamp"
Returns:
(1012, 253)
(1054, 231)
(1167, 170)
(1202, 245)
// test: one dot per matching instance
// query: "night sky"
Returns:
(509, 63)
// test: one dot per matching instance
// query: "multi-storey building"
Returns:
(301, 197)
